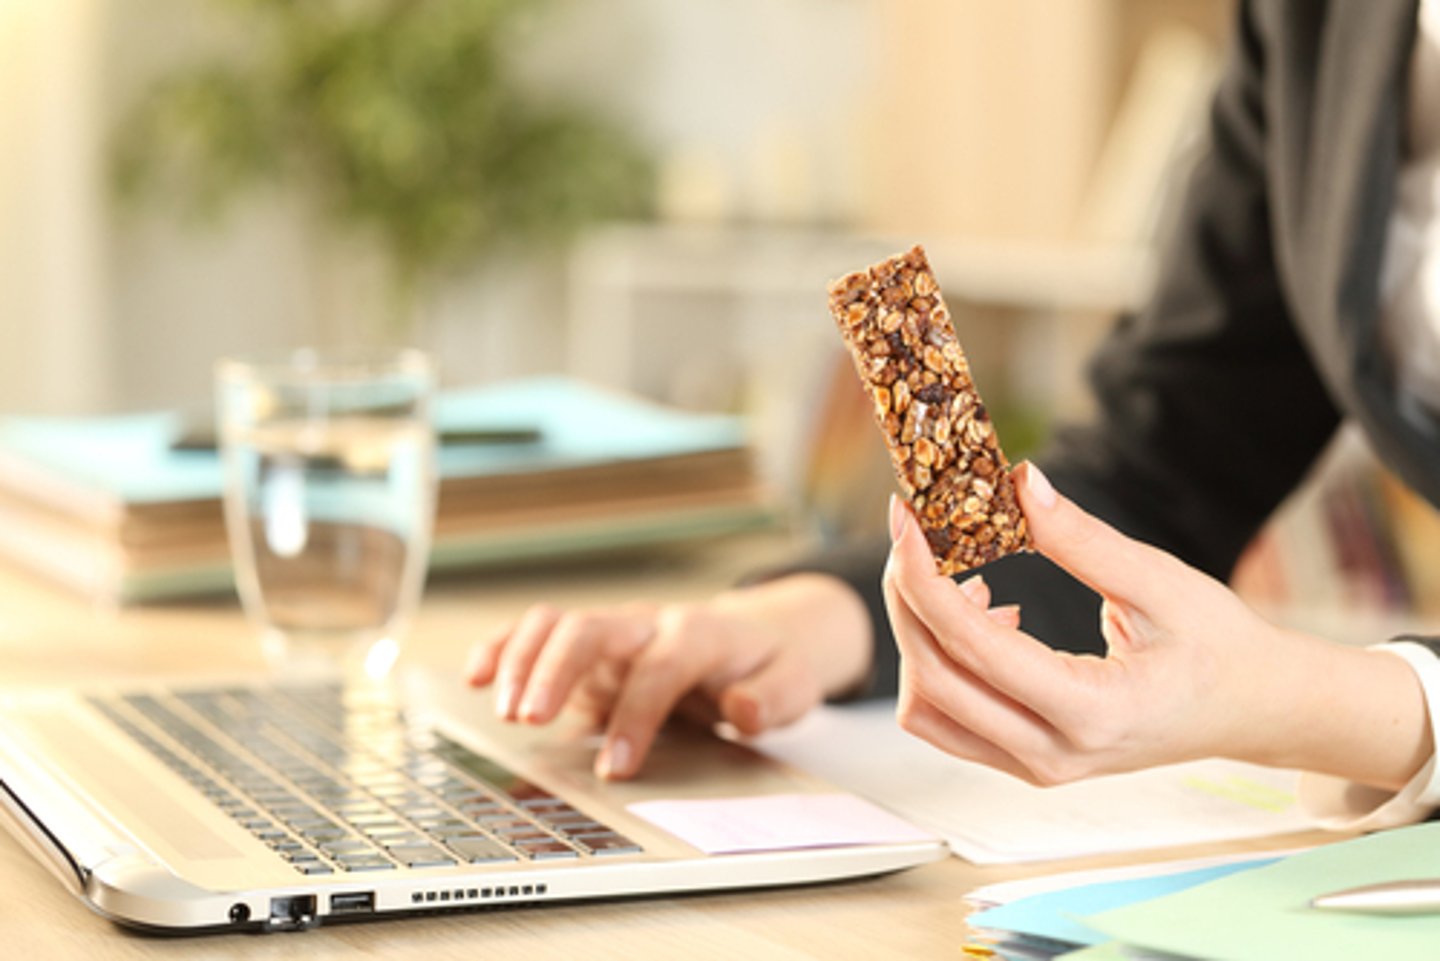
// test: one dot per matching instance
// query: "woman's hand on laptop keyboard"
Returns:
(757, 657)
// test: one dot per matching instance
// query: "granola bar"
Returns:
(941, 441)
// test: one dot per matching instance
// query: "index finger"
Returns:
(1094, 552)
(574, 647)
(683, 652)
(1009, 660)
(485, 657)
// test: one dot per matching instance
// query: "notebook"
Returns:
(269, 806)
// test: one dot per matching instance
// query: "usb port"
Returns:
(353, 902)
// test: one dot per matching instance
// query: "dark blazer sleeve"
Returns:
(1209, 408)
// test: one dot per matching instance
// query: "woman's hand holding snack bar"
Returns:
(1191, 671)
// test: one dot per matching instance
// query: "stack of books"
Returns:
(124, 509)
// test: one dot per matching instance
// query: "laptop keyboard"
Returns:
(336, 783)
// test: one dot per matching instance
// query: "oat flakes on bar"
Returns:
(941, 441)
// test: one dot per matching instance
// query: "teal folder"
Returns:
(110, 505)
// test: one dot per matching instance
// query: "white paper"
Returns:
(778, 822)
(992, 818)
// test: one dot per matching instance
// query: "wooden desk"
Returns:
(48, 637)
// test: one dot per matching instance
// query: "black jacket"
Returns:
(1261, 334)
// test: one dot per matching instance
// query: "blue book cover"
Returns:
(129, 460)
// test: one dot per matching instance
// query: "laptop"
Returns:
(268, 806)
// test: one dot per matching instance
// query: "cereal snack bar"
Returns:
(941, 441)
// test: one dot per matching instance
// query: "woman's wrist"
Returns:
(1354, 713)
(819, 612)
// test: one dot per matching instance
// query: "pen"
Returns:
(1419, 896)
(197, 437)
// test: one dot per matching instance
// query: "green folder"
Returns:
(1264, 914)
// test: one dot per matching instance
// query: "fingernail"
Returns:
(973, 588)
(472, 671)
(897, 518)
(1039, 485)
(614, 761)
(754, 709)
(505, 699)
(1004, 612)
(537, 701)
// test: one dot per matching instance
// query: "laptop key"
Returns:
(360, 863)
(546, 850)
(500, 825)
(437, 825)
(542, 803)
(456, 831)
(609, 843)
(395, 836)
(420, 856)
(345, 846)
(479, 850)
(314, 867)
(297, 857)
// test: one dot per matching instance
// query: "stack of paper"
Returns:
(110, 505)
(1252, 911)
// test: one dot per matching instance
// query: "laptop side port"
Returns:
(353, 902)
(294, 913)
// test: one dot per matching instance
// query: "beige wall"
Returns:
(52, 330)
(986, 117)
(937, 118)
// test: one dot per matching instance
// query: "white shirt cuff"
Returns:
(1342, 805)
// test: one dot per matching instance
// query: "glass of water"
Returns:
(329, 466)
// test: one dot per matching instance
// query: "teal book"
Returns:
(122, 507)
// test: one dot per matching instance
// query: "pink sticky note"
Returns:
(778, 822)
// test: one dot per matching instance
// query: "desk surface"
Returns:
(47, 636)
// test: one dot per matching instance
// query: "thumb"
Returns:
(778, 693)
(1094, 552)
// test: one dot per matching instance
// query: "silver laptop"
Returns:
(259, 806)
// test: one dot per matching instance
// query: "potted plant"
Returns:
(399, 121)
